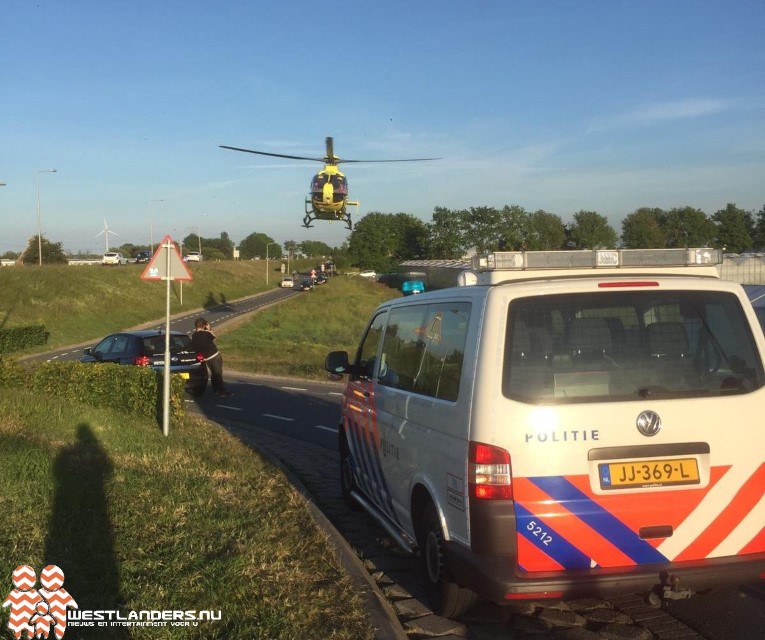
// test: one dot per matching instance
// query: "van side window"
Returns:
(366, 357)
(424, 347)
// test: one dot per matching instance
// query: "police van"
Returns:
(567, 423)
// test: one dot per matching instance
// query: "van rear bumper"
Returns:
(495, 578)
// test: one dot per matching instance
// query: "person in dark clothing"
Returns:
(203, 341)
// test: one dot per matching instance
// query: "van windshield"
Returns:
(628, 345)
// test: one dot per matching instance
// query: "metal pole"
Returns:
(166, 396)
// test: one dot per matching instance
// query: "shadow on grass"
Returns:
(80, 537)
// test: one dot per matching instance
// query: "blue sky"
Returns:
(562, 106)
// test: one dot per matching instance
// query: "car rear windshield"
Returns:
(156, 344)
(627, 346)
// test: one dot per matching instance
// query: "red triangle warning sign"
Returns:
(166, 263)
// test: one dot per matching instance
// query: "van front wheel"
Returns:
(452, 600)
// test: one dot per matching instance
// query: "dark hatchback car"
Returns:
(142, 256)
(147, 349)
(306, 284)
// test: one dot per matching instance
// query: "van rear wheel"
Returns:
(452, 600)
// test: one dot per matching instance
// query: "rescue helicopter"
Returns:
(328, 199)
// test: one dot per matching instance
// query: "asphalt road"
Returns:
(296, 421)
(217, 312)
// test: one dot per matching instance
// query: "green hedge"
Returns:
(12, 374)
(124, 388)
(19, 338)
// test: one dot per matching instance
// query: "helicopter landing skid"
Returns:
(310, 215)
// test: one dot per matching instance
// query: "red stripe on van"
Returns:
(644, 508)
(532, 559)
(757, 545)
(576, 532)
(729, 518)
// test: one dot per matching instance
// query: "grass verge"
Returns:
(137, 521)
(293, 338)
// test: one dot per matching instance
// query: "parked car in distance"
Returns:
(321, 278)
(146, 348)
(372, 275)
(306, 284)
(193, 256)
(112, 258)
(142, 256)
(287, 282)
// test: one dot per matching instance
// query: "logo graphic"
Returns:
(33, 611)
(648, 423)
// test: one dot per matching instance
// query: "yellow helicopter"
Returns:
(329, 187)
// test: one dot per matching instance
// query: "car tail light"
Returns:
(489, 472)
(142, 361)
(200, 357)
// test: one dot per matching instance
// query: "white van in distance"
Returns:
(572, 423)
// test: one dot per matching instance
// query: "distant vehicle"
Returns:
(142, 256)
(368, 274)
(112, 258)
(321, 278)
(306, 284)
(194, 256)
(411, 287)
(287, 282)
(146, 348)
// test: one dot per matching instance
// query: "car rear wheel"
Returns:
(451, 600)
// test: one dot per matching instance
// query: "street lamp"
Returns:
(39, 226)
(151, 224)
(268, 245)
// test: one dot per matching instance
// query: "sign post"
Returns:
(166, 264)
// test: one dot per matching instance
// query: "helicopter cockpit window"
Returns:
(340, 185)
(318, 182)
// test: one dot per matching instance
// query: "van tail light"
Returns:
(200, 357)
(142, 361)
(489, 472)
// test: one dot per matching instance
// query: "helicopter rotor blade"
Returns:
(275, 155)
(399, 160)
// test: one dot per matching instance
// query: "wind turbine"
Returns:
(106, 233)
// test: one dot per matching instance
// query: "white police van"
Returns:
(575, 422)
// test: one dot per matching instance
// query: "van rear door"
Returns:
(629, 416)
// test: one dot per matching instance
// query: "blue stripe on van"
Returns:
(549, 541)
(357, 455)
(371, 479)
(595, 516)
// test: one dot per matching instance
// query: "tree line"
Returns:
(381, 240)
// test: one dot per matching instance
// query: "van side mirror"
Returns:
(88, 351)
(337, 363)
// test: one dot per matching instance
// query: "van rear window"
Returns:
(628, 345)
